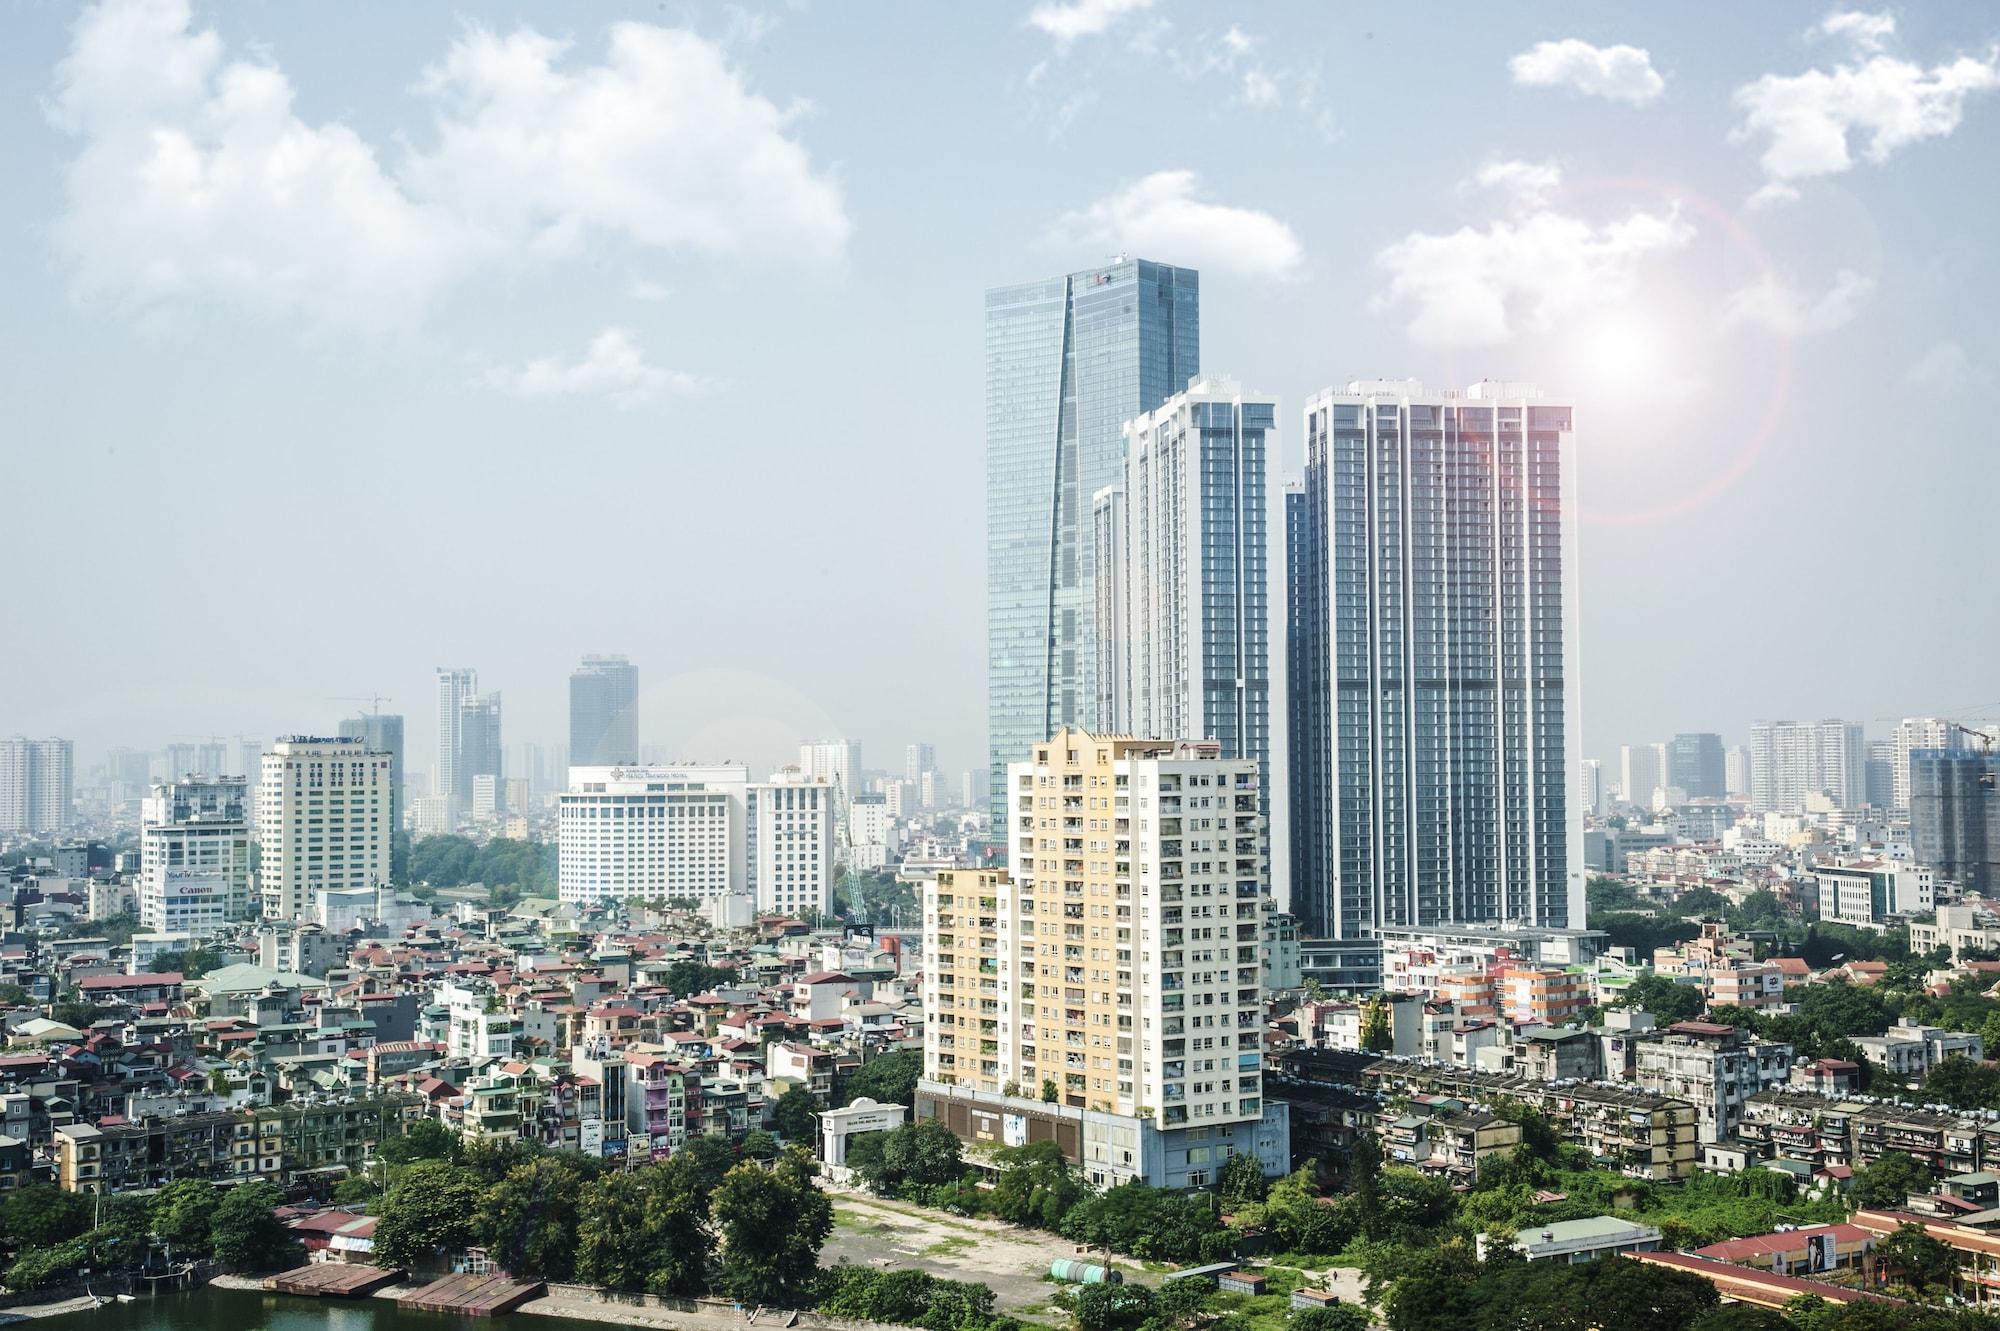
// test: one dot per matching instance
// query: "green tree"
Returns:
(428, 1211)
(772, 1224)
(684, 979)
(245, 1233)
(1890, 1180)
(39, 1268)
(527, 1221)
(1339, 1317)
(1668, 1000)
(1741, 1317)
(1923, 1262)
(923, 1154)
(1376, 1035)
(890, 1079)
(427, 1139)
(710, 1157)
(794, 1113)
(1964, 1084)
(1240, 1181)
(1049, 1092)
(444, 861)
(192, 963)
(1035, 1185)
(42, 1215)
(1414, 1205)
(760, 1145)
(182, 1212)
(648, 1231)
(1112, 1307)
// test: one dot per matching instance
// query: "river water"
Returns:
(212, 1309)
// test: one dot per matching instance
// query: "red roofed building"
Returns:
(146, 987)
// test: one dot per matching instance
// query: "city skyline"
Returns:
(1769, 317)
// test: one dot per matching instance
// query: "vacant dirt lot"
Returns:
(869, 1231)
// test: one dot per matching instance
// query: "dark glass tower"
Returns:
(1955, 816)
(604, 712)
(1068, 361)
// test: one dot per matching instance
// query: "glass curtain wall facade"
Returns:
(1068, 361)
(1955, 816)
(1190, 620)
(604, 712)
(1431, 676)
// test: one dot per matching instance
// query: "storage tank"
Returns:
(1070, 1271)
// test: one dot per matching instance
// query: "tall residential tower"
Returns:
(322, 822)
(1068, 361)
(1432, 681)
(1183, 605)
(1106, 991)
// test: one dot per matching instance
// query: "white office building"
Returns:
(1590, 786)
(1642, 769)
(1790, 761)
(872, 832)
(194, 855)
(788, 843)
(653, 833)
(1736, 769)
(836, 762)
(324, 810)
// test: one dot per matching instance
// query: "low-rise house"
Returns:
(1574, 1242)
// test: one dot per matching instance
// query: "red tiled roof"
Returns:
(144, 980)
(1794, 1240)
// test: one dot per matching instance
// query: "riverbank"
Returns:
(59, 1307)
(575, 1303)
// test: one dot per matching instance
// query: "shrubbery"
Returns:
(909, 1298)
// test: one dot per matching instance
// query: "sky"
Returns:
(346, 342)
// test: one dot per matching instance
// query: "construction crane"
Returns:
(1984, 739)
(374, 701)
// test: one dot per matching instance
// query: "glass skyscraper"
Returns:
(1431, 681)
(1955, 815)
(604, 712)
(1068, 361)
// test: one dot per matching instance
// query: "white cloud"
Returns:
(1081, 18)
(1617, 73)
(1527, 183)
(646, 289)
(1944, 368)
(194, 177)
(1885, 103)
(1870, 32)
(1259, 88)
(1237, 40)
(1776, 307)
(614, 367)
(1161, 217)
(662, 144)
(1480, 286)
